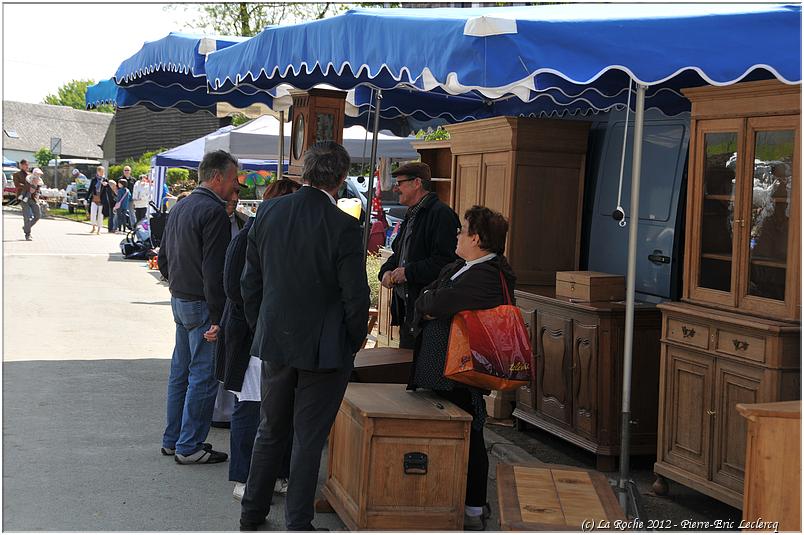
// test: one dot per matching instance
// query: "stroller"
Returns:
(157, 225)
(137, 244)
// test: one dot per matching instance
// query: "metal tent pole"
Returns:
(281, 159)
(628, 355)
(367, 228)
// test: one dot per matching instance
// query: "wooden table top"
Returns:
(377, 400)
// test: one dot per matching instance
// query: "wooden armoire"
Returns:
(531, 171)
(736, 335)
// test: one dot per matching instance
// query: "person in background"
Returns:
(236, 368)
(109, 201)
(126, 176)
(225, 400)
(98, 195)
(424, 244)
(24, 196)
(306, 298)
(141, 196)
(30, 201)
(473, 282)
(122, 218)
(191, 258)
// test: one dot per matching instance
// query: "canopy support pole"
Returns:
(280, 162)
(628, 354)
(374, 141)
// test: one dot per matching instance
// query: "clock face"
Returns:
(298, 138)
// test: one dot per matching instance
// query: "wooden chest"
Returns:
(552, 497)
(772, 492)
(588, 286)
(397, 460)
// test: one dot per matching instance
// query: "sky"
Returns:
(47, 45)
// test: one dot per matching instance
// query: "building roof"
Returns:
(81, 132)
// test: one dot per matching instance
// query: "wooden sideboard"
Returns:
(711, 361)
(576, 387)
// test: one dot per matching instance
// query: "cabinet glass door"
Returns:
(767, 221)
(718, 161)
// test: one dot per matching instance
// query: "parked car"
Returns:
(8, 184)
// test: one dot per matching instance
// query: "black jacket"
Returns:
(304, 286)
(233, 350)
(107, 196)
(193, 248)
(432, 246)
(478, 288)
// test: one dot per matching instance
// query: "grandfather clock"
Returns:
(317, 116)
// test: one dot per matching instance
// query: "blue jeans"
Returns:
(192, 385)
(245, 420)
(30, 215)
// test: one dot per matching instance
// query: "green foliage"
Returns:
(139, 166)
(373, 265)
(439, 134)
(176, 176)
(249, 19)
(73, 94)
(43, 156)
(239, 118)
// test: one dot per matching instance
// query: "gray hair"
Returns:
(325, 164)
(218, 160)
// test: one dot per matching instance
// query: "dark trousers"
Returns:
(477, 474)
(303, 403)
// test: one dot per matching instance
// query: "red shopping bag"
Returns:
(489, 349)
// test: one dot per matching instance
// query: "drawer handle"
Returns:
(710, 413)
(687, 332)
(415, 463)
(740, 345)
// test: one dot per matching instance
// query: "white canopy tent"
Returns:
(259, 139)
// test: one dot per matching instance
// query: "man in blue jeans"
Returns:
(191, 258)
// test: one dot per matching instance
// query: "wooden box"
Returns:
(552, 497)
(397, 460)
(772, 491)
(590, 286)
(499, 404)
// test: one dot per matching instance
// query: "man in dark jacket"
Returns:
(191, 258)
(424, 244)
(306, 299)
(24, 194)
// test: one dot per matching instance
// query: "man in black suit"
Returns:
(306, 298)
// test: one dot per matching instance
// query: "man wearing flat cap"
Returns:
(425, 243)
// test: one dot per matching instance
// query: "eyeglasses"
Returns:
(398, 182)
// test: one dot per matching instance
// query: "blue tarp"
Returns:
(562, 58)
(190, 154)
(8, 163)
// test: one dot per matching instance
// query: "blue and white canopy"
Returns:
(8, 163)
(573, 55)
(169, 73)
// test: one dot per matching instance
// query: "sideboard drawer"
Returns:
(688, 333)
(741, 345)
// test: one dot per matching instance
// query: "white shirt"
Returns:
(250, 391)
(471, 263)
(331, 198)
(142, 194)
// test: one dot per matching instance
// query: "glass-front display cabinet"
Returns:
(743, 210)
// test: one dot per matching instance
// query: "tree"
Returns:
(73, 94)
(43, 157)
(249, 19)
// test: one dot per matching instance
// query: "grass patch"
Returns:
(81, 217)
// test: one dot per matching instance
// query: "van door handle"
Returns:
(658, 258)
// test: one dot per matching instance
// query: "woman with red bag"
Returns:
(473, 282)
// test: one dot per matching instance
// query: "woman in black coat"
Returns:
(234, 365)
(474, 282)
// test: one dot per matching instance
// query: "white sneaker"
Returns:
(239, 490)
(281, 486)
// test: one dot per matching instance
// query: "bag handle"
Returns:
(505, 289)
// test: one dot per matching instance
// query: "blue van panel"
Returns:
(664, 160)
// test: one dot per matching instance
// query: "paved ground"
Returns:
(84, 394)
